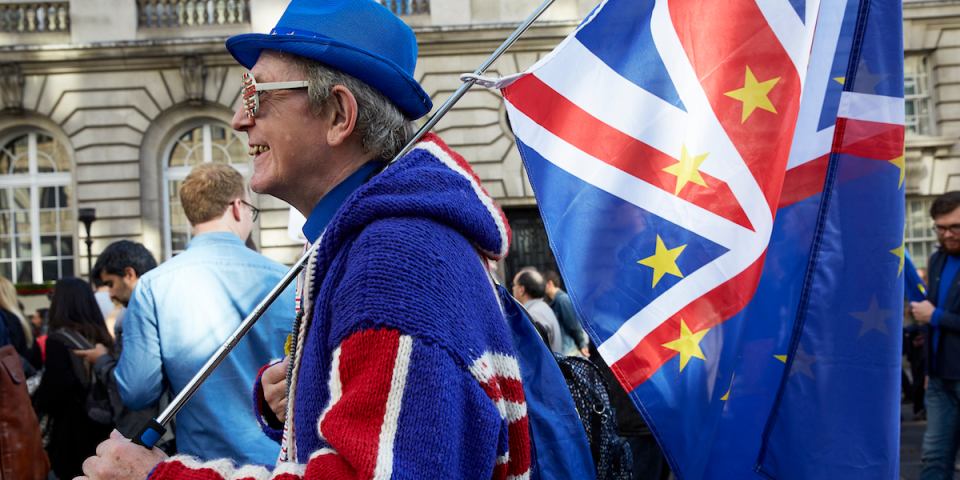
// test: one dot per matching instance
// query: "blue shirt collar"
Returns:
(331, 202)
(214, 237)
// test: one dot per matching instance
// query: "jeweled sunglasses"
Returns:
(251, 91)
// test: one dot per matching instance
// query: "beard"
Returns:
(955, 251)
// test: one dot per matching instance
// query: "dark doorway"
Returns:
(529, 246)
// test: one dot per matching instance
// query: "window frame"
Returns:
(179, 173)
(924, 79)
(928, 242)
(34, 181)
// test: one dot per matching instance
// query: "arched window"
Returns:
(36, 209)
(211, 141)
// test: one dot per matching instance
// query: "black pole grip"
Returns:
(150, 434)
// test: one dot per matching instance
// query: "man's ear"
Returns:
(130, 273)
(342, 115)
(235, 210)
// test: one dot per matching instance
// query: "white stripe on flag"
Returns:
(809, 143)
(872, 108)
(649, 118)
(794, 35)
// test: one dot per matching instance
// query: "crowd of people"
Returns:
(99, 367)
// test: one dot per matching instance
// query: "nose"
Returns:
(241, 121)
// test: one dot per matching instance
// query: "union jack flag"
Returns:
(668, 142)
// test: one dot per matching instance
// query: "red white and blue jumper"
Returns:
(403, 365)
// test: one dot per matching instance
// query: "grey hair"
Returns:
(382, 126)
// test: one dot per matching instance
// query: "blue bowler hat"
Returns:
(359, 37)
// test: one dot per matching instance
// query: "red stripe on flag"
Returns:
(563, 118)
(708, 311)
(804, 181)
(720, 53)
(879, 141)
(872, 140)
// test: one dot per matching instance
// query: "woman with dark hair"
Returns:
(75, 323)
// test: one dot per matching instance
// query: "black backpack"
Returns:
(612, 456)
(97, 401)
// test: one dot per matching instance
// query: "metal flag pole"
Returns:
(152, 431)
(469, 83)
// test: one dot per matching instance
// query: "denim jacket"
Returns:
(178, 316)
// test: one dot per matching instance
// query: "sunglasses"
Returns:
(250, 91)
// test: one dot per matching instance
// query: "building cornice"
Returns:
(916, 142)
(40, 59)
(933, 9)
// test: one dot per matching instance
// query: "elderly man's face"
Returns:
(286, 138)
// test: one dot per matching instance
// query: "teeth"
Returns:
(257, 149)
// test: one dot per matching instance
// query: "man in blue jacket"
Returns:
(941, 310)
(183, 310)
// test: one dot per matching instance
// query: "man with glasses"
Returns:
(941, 311)
(401, 363)
(182, 311)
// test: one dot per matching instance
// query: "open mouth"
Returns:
(257, 150)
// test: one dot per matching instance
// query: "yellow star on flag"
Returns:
(841, 80)
(688, 344)
(782, 358)
(900, 163)
(663, 261)
(899, 253)
(754, 95)
(686, 170)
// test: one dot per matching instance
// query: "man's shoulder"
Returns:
(213, 257)
(935, 257)
(540, 307)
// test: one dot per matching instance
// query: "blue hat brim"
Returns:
(378, 72)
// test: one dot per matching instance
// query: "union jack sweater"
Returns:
(403, 366)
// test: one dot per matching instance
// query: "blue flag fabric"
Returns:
(914, 287)
(756, 343)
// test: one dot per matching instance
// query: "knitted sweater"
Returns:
(403, 365)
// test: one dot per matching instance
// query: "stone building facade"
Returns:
(108, 104)
(931, 41)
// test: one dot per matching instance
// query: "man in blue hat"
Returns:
(387, 376)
